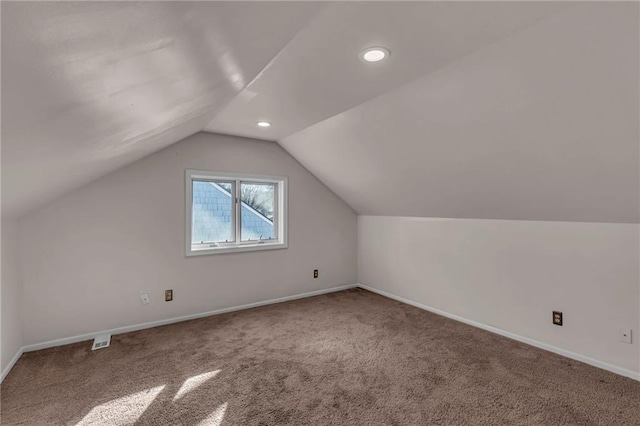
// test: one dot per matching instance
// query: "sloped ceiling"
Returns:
(542, 125)
(319, 74)
(506, 110)
(88, 87)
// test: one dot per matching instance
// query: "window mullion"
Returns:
(237, 212)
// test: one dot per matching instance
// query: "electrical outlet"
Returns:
(168, 295)
(557, 318)
(315, 273)
(145, 298)
(624, 335)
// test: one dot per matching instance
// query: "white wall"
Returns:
(89, 255)
(11, 330)
(513, 274)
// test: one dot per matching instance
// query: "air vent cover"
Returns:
(101, 342)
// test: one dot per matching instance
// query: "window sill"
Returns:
(235, 249)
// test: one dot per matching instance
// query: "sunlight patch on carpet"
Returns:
(215, 418)
(124, 410)
(193, 382)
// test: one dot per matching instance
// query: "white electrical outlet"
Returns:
(624, 335)
(145, 298)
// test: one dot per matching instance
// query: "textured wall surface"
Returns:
(124, 234)
(11, 290)
(513, 274)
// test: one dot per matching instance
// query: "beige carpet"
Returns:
(345, 358)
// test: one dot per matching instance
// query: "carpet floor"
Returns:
(347, 358)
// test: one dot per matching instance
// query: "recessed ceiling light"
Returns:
(374, 54)
(263, 124)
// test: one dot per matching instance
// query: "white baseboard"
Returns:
(11, 364)
(90, 336)
(594, 362)
(130, 328)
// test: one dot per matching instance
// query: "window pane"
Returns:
(212, 212)
(258, 211)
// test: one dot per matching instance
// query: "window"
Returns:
(229, 212)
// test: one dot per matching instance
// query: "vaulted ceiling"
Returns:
(543, 125)
(504, 110)
(88, 87)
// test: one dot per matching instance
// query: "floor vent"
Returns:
(101, 342)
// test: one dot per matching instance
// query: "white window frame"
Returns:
(280, 214)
